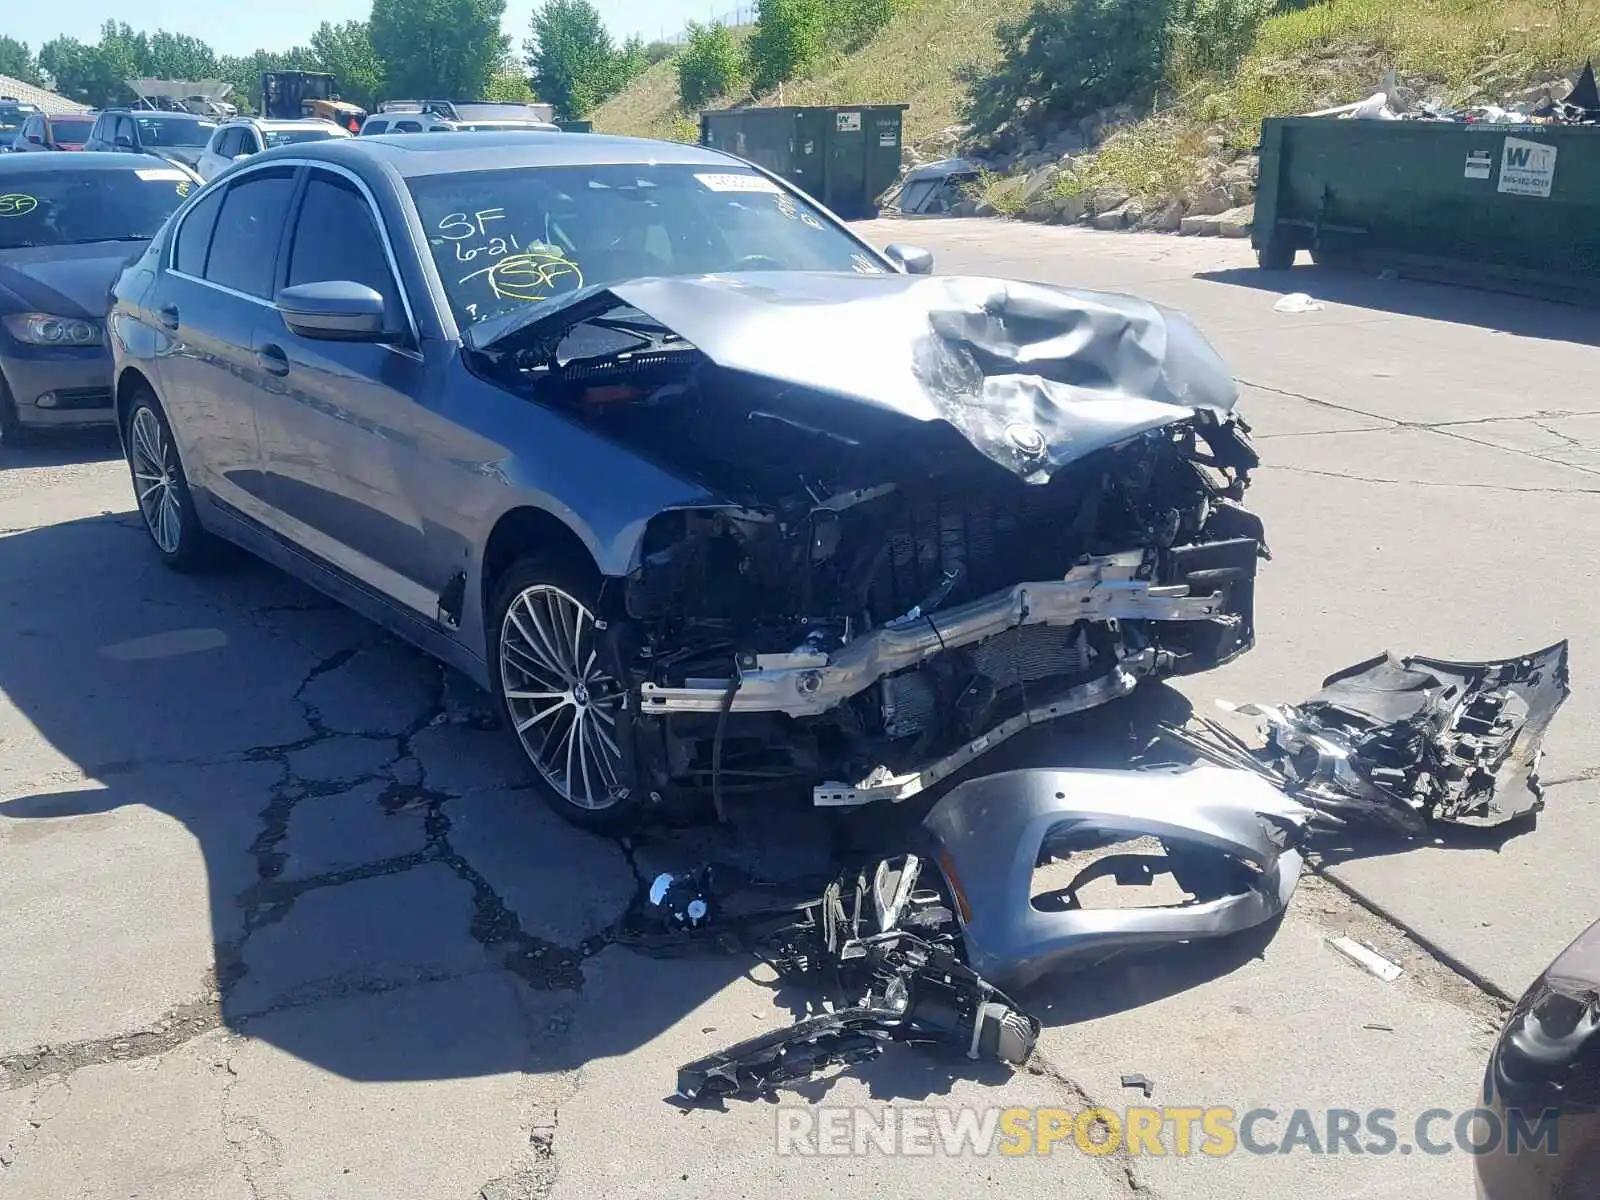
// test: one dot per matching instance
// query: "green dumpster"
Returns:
(1507, 206)
(845, 157)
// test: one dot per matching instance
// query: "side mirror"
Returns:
(123, 142)
(36, 139)
(913, 260)
(338, 310)
(241, 156)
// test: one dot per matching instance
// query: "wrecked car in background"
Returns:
(709, 493)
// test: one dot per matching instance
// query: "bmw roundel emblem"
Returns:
(1025, 438)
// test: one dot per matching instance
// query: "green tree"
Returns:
(444, 48)
(857, 22)
(67, 61)
(509, 83)
(1066, 59)
(570, 56)
(179, 56)
(17, 61)
(345, 50)
(710, 66)
(245, 72)
(791, 37)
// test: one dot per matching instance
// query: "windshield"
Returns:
(174, 131)
(73, 133)
(53, 208)
(291, 137)
(505, 239)
(13, 115)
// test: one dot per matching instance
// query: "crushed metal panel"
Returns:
(1233, 840)
(1034, 376)
(1404, 741)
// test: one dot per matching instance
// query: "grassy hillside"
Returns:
(912, 62)
(1451, 51)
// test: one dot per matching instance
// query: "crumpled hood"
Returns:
(1035, 376)
(65, 281)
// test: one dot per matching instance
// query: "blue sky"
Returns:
(238, 28)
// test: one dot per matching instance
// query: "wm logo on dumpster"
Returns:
(1527, 168)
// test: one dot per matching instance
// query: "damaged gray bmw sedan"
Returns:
(710, 494)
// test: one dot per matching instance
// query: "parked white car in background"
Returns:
(245, 136)
(427, 122)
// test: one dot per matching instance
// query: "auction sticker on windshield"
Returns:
(153, 174)
(738, 183)
(16, 204)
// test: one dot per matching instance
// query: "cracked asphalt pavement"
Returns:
(280, 919)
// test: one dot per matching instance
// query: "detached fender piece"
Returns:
(1232, 840)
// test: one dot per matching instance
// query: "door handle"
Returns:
(272, 359)
(167, 314)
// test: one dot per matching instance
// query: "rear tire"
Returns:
(560, 695)
(161, 489)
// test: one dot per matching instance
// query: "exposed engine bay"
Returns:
(950, 509)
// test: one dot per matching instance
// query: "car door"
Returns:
(31, 135)
(213, 159)
(127, 135)
(339, 437)
(216, 295)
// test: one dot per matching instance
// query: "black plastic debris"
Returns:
(1143, 1082)
(1405, 742)
(881, 946)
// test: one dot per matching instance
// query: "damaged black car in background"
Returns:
(707, 491)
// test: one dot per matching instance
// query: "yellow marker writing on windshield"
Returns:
(183, 187)
(16, 204)
(536, 275)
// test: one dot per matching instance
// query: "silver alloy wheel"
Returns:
(155, 480)
(562, 704)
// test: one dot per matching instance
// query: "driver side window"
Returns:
(336, 238)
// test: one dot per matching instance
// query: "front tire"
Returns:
(559, 693)
(161, 489)
(13, 433)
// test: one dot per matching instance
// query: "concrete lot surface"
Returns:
(280, 921)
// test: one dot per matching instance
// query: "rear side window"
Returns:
(244, 249)
(335, 238)
(194, 236)
(407, 127)
(375, 127)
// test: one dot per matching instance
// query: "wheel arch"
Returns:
(129, 381)
(521, 532)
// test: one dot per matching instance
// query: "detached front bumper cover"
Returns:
(1231, 841)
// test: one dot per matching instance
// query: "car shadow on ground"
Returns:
(385, 899)
(1499, 312)
(62, 449)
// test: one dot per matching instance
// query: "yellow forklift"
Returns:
(288, 95)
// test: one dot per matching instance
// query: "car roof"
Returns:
(417, 154)
(17, 164)
(284, 122)
(142, 113)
